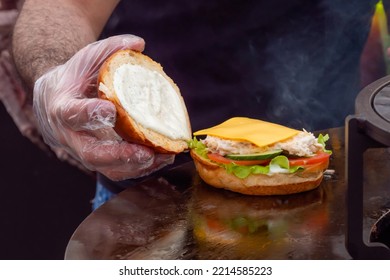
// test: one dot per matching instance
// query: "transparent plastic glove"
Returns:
(70, 115)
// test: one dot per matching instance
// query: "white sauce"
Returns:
(151, 100)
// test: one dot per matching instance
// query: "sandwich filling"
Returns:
(264, 148)
(150, 99)
(304, 144)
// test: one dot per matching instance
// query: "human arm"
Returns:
(48, 33)
(53, 52)
(13, 95)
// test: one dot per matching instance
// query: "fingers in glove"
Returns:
(127, 171)
(120, 160)
(102, 153)
(87, 114)
(116, 159)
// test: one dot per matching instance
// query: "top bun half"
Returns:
(150, 108)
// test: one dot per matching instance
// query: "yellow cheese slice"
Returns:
(260, 133)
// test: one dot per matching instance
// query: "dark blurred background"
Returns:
(42, 200)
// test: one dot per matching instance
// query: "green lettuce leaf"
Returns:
(322, 140)
(279, 164)
(243, 171)
(198, 147)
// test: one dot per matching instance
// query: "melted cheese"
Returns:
(258, 132)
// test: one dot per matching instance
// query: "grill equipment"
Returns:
(368, 129)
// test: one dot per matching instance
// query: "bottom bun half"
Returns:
(259, 184)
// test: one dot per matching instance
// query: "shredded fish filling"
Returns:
(304, 144)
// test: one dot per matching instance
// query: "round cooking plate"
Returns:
(380, 232)
(373, 107)
(381, 103)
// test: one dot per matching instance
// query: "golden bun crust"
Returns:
(259, 184)
(125, 125)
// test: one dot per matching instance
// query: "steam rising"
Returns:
(295, 63)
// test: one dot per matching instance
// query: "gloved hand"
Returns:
(71, 116)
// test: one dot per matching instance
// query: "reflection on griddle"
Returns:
(228, 225)
(145, 222)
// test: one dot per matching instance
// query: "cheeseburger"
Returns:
(255, 157)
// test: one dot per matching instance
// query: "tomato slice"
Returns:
(318, 158)
(221, 159)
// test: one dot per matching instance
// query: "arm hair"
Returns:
(48, 33)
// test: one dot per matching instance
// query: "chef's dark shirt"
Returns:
(294, 62)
